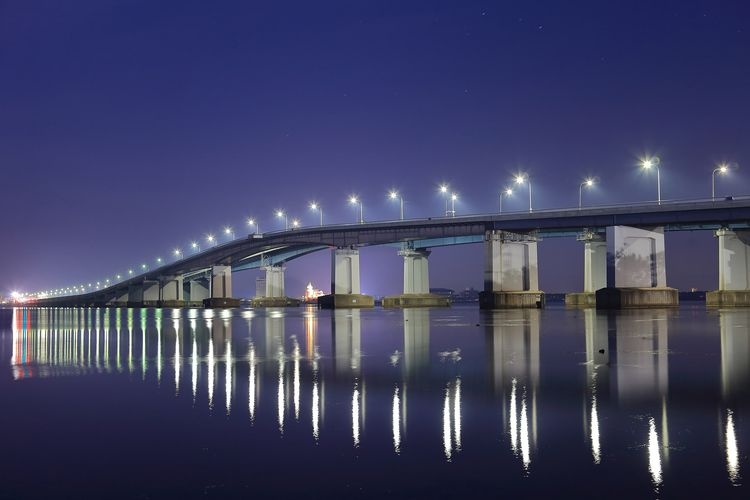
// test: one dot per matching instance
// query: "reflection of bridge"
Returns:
(632, 237)
(201, 355)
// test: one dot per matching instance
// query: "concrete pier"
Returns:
(511, 276)
(636, 270)
(734, 270)
(345, 290)
(594, 269)
(221, 288)
(416, 283)
(270, 290)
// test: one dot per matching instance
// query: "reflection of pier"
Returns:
(513, 349)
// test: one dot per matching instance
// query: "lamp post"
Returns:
(647, 164)
(506, 192)
(229, 232)
(394, 195)
(454, 197)
(721, 169)
(586, 183)
(252, 222)
(177, 253)
(314, 206)
(520, 179)
(295, 223)
(356, 201)
(210, 239)
(195, 246)
(281, 213)
(444, 192)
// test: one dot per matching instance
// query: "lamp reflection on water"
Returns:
(733, 455)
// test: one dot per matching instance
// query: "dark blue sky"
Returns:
(128, 128)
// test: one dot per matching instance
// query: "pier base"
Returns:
(416, 300)
(728, 298)
(221, 302)
(634, 298)
(580, 299)
(275, 302)
(345, 300)
(511, 300)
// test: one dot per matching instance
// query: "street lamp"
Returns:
(647, 164)
(295, 223)
(280, 213)
(506, 192)
(314, 206)
(210, 238)
(586, 183)
(444, 191)
(177, 253)
(454, 197)
(252, 222)
(520, 179)
(158, 260)
(721, 169)
(195, 246)
(394, 195)
(355, 201)
(228, 231)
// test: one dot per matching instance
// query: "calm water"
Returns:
(298, 402)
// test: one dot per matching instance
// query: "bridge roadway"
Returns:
(257, 250)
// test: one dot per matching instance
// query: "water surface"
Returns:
(157, 403)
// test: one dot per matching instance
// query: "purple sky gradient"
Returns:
(130, 127)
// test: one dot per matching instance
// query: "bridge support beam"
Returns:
(416, 283)
(734, 270)
(511, 276)
(171, 291)
(345, 291)
(594, 270)
(221, 288)
(272, 289)
(636, 270)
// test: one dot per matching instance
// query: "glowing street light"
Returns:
(586, 183)
(211, 239)
(252, 222)
(520, 179)
(506, 192)
(721, 169)
(177, 253)
(315, 206)
(281, 213)
(295, 223)
(130, 272)
(444, 191)
(648, 164)
(394, 195)
(229, 232)
(144, 267)
(356, 201)
(158, 260)
(195, 246)
(454, 197)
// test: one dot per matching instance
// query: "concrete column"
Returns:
(416, 273)
(636, 270)
(511, 276)
(150, 292)
(198, 290)
(345, 271)
(274, 281)
(221, 282)
(594, 269)
(171, 289)
(734, 270)
(345, 290)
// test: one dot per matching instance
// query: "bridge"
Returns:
(623, 252)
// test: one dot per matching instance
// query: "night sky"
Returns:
(128, 128)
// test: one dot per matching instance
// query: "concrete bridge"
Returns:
(622, 248)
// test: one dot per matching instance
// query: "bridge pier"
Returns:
(144, 295)
(416, 283)
(197, 289)
(734, 270)
(636, 270)
(511, 276)
(119, 298)
(345, 290)
(171, 291)
(272, 289)
(221, 288)
(594, 269)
